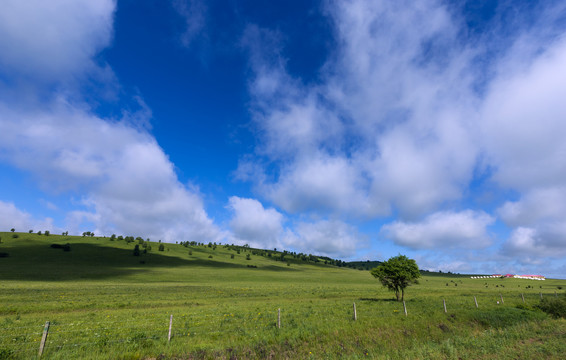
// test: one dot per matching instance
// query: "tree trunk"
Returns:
(402, 294)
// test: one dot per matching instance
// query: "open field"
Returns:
(103, 302)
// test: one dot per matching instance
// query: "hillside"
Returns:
(103, 302)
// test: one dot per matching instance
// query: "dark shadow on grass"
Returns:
(378, 300)
(41, 262)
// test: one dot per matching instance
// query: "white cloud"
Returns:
(522, 121)
(128, 183)
(409, 115)
(332, 238)
(532, 245)
(381, 131)
(13, 218)
(264, 228)
(254, 225)
(52, 40)
(443, 230)
(194, 13)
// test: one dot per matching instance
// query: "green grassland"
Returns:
(103, 302)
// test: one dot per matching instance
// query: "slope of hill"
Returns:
(104, 301)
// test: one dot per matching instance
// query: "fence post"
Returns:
(541, 296)
(444, 303)
(170, 326)
(476, 301)
(523, 297)
(501, 296)
(43, 339)
(355, 313)
(279, 318)
(405, 307)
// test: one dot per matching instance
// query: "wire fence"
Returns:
(25, 341)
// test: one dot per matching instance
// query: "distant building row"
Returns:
(529, 277)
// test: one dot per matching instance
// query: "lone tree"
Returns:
(397, 273)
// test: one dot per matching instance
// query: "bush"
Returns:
(161, 247)
(248, 257)
(210, 256)
(232, 256)
(556, 307)
(15, 236)
(137, 250)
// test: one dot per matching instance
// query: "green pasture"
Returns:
(103, 302)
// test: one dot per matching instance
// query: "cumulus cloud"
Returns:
(128, 183)
(380, 132)
(254, 225)
(522, 121)
(327, 237)
(13, 218)
(532, 245)
(53, 40)
(413, 113)
(257, 226)
(466, 229)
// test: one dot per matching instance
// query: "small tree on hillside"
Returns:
(397, 273)
(12, 229)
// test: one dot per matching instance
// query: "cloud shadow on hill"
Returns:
(40, 262)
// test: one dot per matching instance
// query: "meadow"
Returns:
(103, 302)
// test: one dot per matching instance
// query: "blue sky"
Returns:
(355, 129)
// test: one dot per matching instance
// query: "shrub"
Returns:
(248, 257)
(210, 256)
(137, 250)
(161, 247)
(232, 256)
(15, 236)
(556, 307)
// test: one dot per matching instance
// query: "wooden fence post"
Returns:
(405, 307)
(523, 297)
(355, 313)
(501, 296)
(476, 301)
(279, 318)
(444, 303)
(43, 339)
(541, 296)
(170, 326)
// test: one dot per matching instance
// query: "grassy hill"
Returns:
(104, 302)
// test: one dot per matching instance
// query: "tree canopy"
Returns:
(397, 273)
